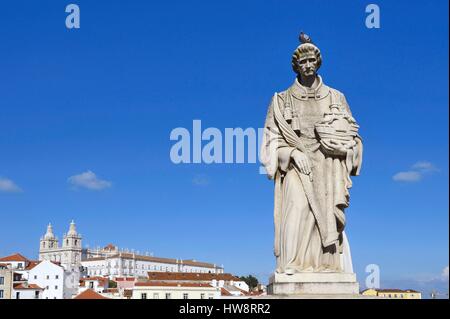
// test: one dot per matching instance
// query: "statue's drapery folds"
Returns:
(309, 209)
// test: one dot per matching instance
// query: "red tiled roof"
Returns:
(22, 286)
(170, 284)
(224, 292)
(109, 247)
(90, 294)
(32, 264)
(162, 276)
(14, 257)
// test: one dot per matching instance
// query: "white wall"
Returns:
(26, 294)
(128, 267)
(57, 283)
(175, 292)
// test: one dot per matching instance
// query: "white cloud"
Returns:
(88, 180)
(410, 176)
(424, 166)
(8, 186)
(418, 170)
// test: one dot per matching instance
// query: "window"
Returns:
(48, 277)
(35, 276)
(1, 294)
(185, 296)
(56, 276)
(143, 296)
(202, 296)
(56, 287)
(2, 280)
(46, 287)
(19, 265)
(91, 284)
(17, 295)
(36, 294)
(167, 295)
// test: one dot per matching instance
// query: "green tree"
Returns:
(250, 280)
(112, 284)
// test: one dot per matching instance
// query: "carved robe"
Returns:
(309, 210)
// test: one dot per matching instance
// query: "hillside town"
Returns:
(66, 270)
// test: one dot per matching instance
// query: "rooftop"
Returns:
(171, 284)
(90, 294)
(163, 276)
(14, 257)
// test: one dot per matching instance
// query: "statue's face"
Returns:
(307, 65)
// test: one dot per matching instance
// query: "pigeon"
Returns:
(304, 38)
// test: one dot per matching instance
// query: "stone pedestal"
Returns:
(327, 283)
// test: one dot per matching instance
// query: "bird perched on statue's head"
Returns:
(306, 48)
(304, 38)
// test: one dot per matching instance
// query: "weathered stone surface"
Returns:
(311, 147)
(313, 284)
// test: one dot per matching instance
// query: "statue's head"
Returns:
(306, 59)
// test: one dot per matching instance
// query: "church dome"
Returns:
(72, 229)
(49, 234)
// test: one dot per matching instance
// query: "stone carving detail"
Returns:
(310, 148)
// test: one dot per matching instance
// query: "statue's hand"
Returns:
(302, 162)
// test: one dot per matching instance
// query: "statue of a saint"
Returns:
(310, 148)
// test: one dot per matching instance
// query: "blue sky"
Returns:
(104, 98)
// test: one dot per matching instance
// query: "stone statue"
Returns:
(311, 147)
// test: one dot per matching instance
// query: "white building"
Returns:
(228, 284)
(57, 282)
(97, 284)
(174, 290)
(27, 291)
(69, 254)
(16, 261)
(133, 265)
(110, 261)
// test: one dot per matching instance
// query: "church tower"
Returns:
(68, 254)
(49, 242)
(71, 247)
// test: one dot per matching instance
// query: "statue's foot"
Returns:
(289, 271)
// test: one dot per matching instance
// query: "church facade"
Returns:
(68, 253)
(111, 261)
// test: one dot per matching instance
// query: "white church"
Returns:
(68, 254)
(110, 261)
